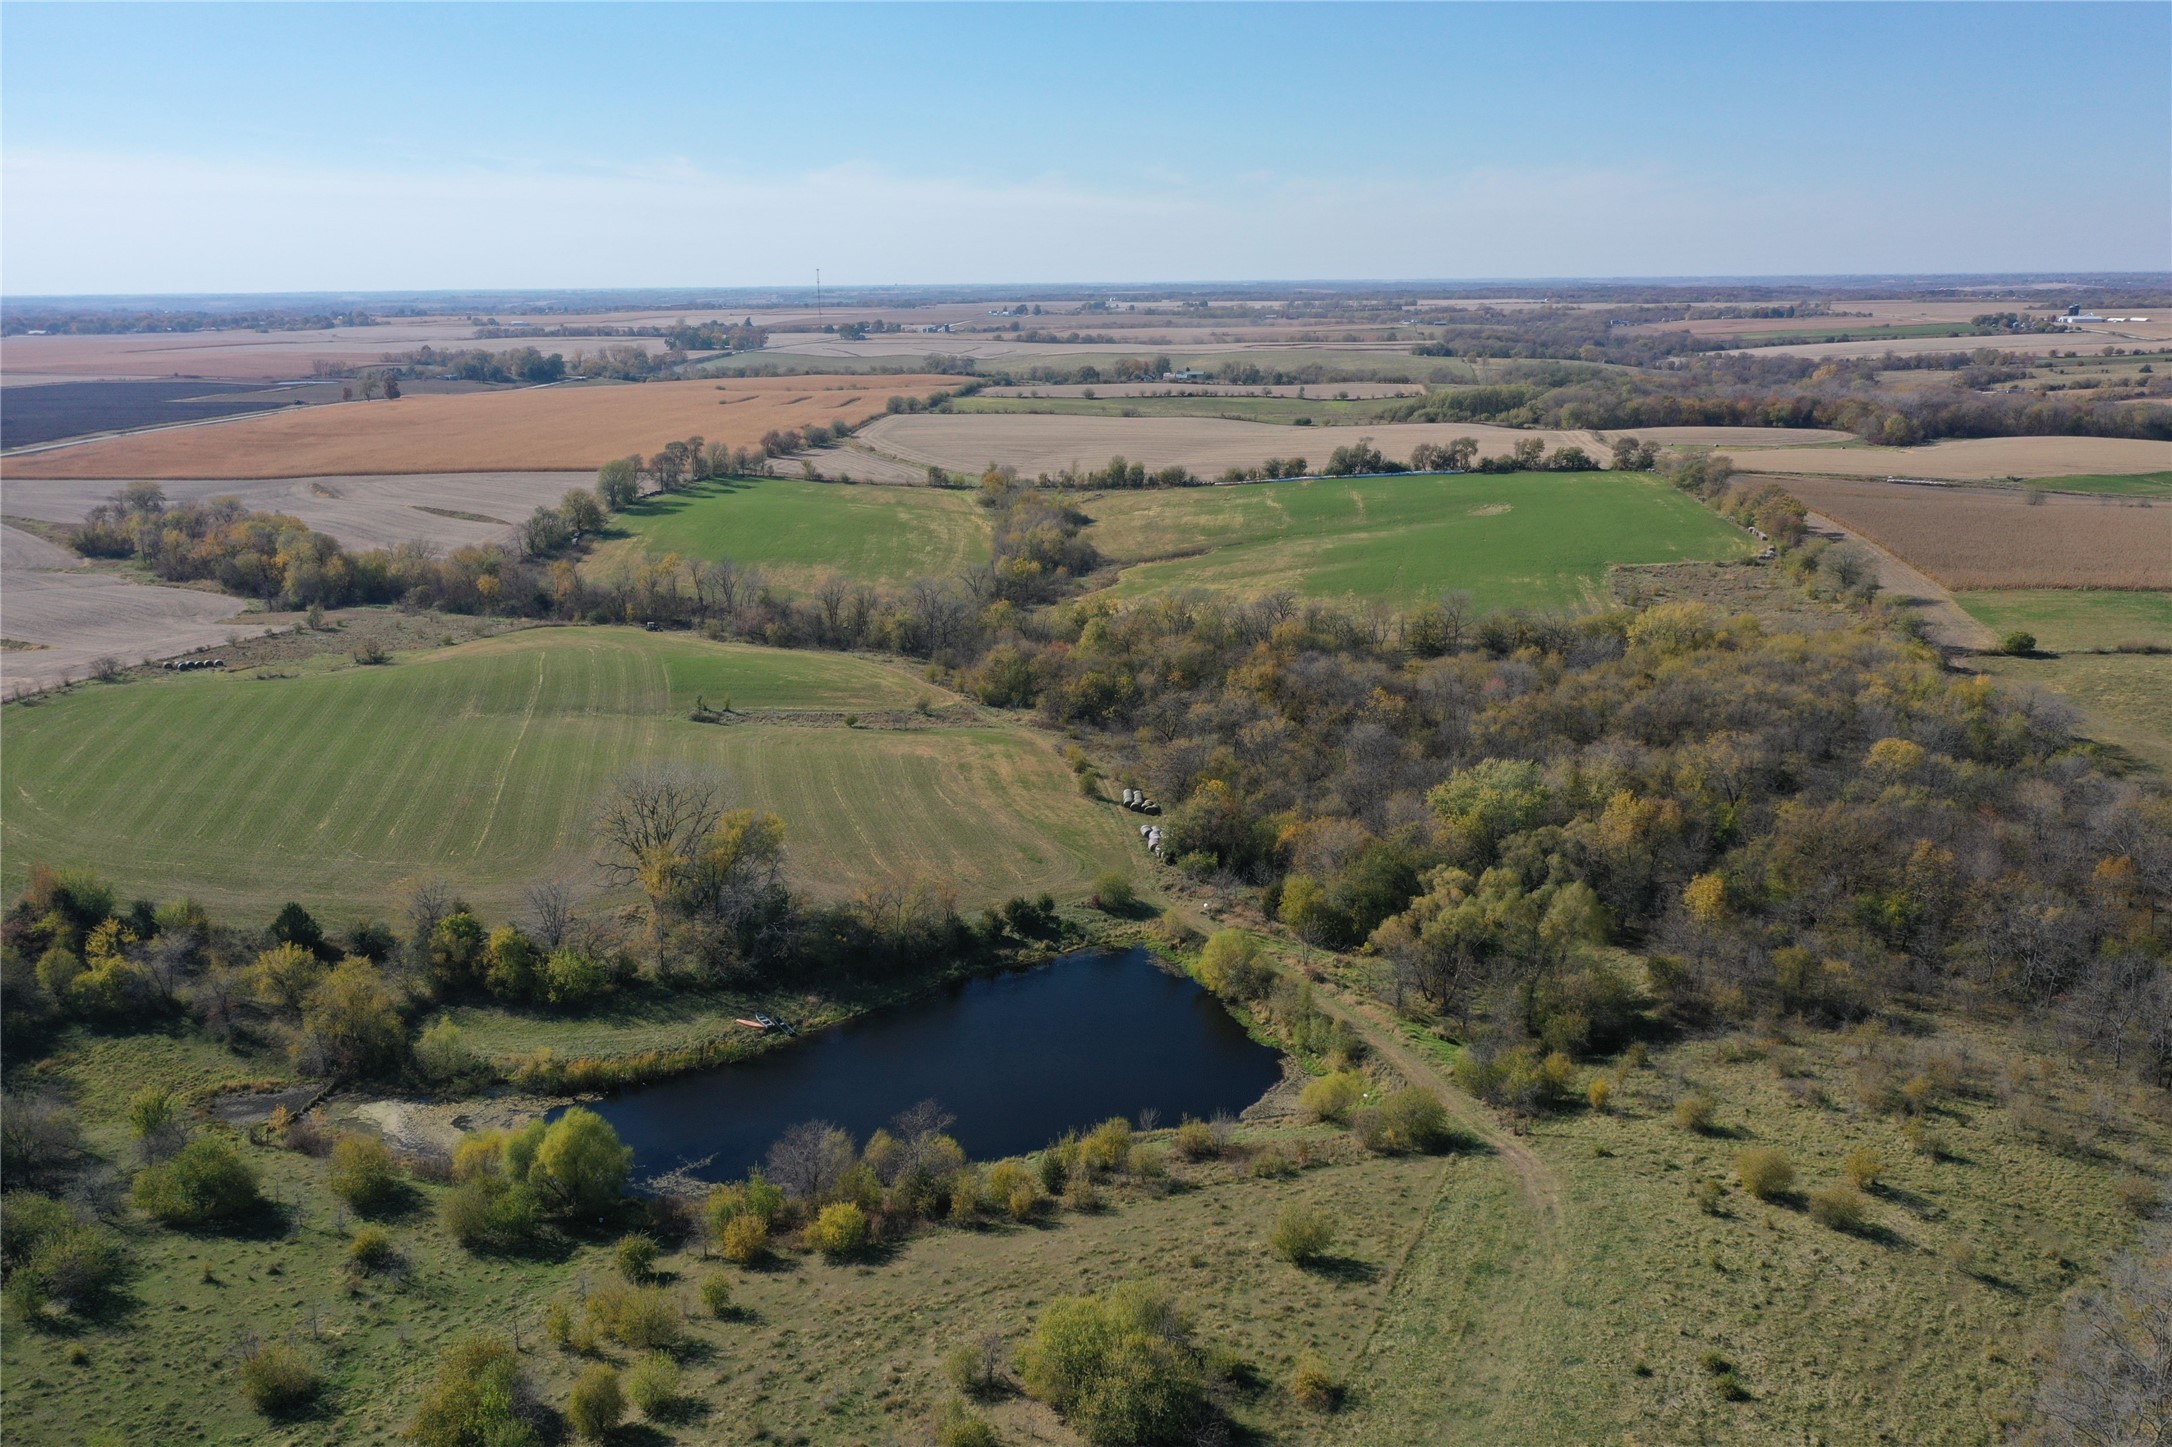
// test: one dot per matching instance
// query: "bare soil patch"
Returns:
(1968, 459)
(1994, 538)
(74, 617)
(538, 429)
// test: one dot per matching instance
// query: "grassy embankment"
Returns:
(482, 763)
(1519, 540)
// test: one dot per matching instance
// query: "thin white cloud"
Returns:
(90, 222)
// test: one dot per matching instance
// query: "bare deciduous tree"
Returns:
(2111, 1384)
(652, 808)
(810, 1159)
(550, 912)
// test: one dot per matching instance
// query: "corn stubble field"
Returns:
(535, 429)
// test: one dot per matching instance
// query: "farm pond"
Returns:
(1019, 1058)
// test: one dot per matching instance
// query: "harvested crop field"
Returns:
(1528, 540)
(443, 509)
(535, 429)
(1728, 437)
(482, 762)
(1037, 443)
(71, 618)
(1976, 537)
(1968, 459)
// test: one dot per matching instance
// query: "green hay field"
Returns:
(2072, 619)
(2138, 484)
(482, 763)
(1523, 540)
(794, 531)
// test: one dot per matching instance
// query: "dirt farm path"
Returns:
(1945, 624)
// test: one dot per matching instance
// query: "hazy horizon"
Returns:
(366, 148)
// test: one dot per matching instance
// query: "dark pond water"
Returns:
(1019, 1058)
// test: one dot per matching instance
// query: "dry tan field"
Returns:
(1970, 458)
(1732, 436)
(76, 617)
(362, 512)
(539, 429)
(1037, 442)
(1994, 538)
(250, 356)
(2083, 343)
(1317, 390)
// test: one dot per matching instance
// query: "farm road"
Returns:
(1944, 622)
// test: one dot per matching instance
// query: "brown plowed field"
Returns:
(1968, 537)
(538, 429)
(1967, 459)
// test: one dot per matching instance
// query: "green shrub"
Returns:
(491, 1213)
(1708, 1192)
(1195, 1140)
(361, 1172)
(1107, 1146)
(206, 1184)
(1694, 1112)
(479, 1398)
(716, 1294)
(1313, 1384)
(641, 1317)
(1841, 1207)
(1231, 965)
(596, 1404)
(652, 1385)
(1333, 1097)
(1113, 891)
(744, 1239)
(60, 1262)
(2018, 643)
(442, 1055)
(1268, 1162)
(276, 1379)
(1119, 1367)
(1301, 1234)
(579, 1167)
(1409, 1121)
(841, 1230)
(1863, 1167)
(956, 1426)
(1765, 1173)
(635, 1257)
(371, 1250)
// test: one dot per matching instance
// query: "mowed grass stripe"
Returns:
(484, 763)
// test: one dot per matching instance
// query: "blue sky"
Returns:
(349, 146)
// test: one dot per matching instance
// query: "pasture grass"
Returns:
(1597, 1330)
(1519, 540)
(795, 531)
(1452, 1307)
(2126, 697)
(482, 764)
